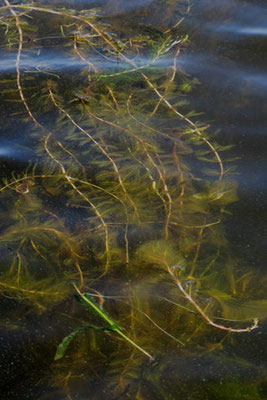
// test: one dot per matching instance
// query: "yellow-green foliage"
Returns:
(158, 253)
(127, 198)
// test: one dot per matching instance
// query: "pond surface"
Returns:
(133, 199)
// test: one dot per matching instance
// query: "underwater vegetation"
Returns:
(123, 209)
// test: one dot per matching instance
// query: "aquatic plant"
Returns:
(89, 302)
(129, 187)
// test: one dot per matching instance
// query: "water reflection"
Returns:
(237, 29)
(250, 20)
(15, 152)
(51, 62)
(222, 73)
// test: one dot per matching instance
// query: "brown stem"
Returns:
(202, 312)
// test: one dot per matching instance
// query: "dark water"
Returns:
(47, 229)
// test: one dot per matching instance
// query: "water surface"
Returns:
(108, 185)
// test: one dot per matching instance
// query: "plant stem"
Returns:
(114, 326)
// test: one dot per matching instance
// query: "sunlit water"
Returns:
(227, 53)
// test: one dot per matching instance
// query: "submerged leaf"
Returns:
(236, 308)
(159, 252)
(62, 347)
(89, 302)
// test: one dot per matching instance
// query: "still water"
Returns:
(133, 199)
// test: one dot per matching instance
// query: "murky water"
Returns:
(133, 201)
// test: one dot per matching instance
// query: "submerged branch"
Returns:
(202, 312)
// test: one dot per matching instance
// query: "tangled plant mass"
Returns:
(128, 184)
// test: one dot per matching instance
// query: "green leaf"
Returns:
(84, 303)
(89, 302)
(62, 347)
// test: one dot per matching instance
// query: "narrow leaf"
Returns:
(62, 347)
